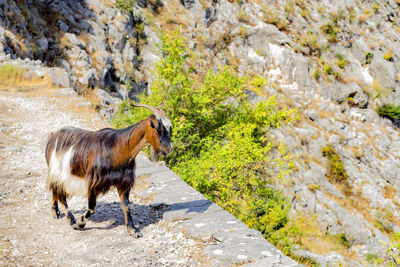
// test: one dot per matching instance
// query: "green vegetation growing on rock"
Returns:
(343, 240)
(331, 29)
(336, 173)
(368, 58)
(125, 5)
(392, 256)
(389, 111)
(388, 56)
(220, 139)
(341, 61)
(327, 69)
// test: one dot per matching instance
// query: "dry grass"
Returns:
(13, 76)
(108, 3)
(316, 240)
(313, 187)
(10, 75)
(171, 18)
(64, 43)
(356, 151)
(323, 114)
(95, 62)
(84, 38)
(363, 17)
(323, 245)
(273, 17)
(355, 204)
(351, 79)
(390, 192)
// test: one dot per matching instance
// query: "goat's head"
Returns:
(159, 134)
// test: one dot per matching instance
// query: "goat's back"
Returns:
(76, 156)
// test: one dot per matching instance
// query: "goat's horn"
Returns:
(157, 111)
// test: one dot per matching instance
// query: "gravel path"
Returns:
(29, 236)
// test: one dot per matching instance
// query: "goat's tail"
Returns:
(44, 141)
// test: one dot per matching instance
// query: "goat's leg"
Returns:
(54, 206)
(70, 216)
(124, 196)
(91, 209)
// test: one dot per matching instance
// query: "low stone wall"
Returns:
(227, 240)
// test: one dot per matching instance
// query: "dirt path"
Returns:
(29, 236)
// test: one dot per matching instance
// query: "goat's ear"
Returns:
(152, 125)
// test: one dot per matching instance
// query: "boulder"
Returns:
(108, 105)
(383, 71)
(341, 92)
(59, 77)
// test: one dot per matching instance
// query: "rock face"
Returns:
(335, 61)
(93, 41)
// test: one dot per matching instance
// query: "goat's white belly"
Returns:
(60, 174)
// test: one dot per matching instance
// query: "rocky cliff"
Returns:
(336, 61)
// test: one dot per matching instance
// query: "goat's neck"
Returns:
(127, 148)
(137, 139)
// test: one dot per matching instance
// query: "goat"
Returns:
(89, 163)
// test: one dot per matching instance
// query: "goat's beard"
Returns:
(154, 156)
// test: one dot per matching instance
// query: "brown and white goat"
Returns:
(89, 163)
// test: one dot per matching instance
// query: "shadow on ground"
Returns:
(142, 215)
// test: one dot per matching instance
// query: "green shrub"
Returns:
(372, 258)
(336, 172)
(327, 69)
(341, 61)
(368, 58)
(388, 56)
(375, 7)
(125, 5)
(343, 240)
(331, 29)
(392, 255)
(389, 111)
(393, 250)
(317, 73)
(220, 139)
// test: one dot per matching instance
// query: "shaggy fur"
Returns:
(89, 163)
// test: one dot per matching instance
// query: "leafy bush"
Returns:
(125, 5)
(343, 240)
(368, 58)
(393, 250)
(327, 69)
(341, 61)
(375, 7)
(331, 29)
(388, 56)
(220, 139)
(392, 256)
(336, 172)
(389, 111)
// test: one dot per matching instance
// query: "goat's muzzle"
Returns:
(166, 150)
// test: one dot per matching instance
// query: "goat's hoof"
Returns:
(81, 223)
(134, 232)
(75, 226)
(56, 214)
